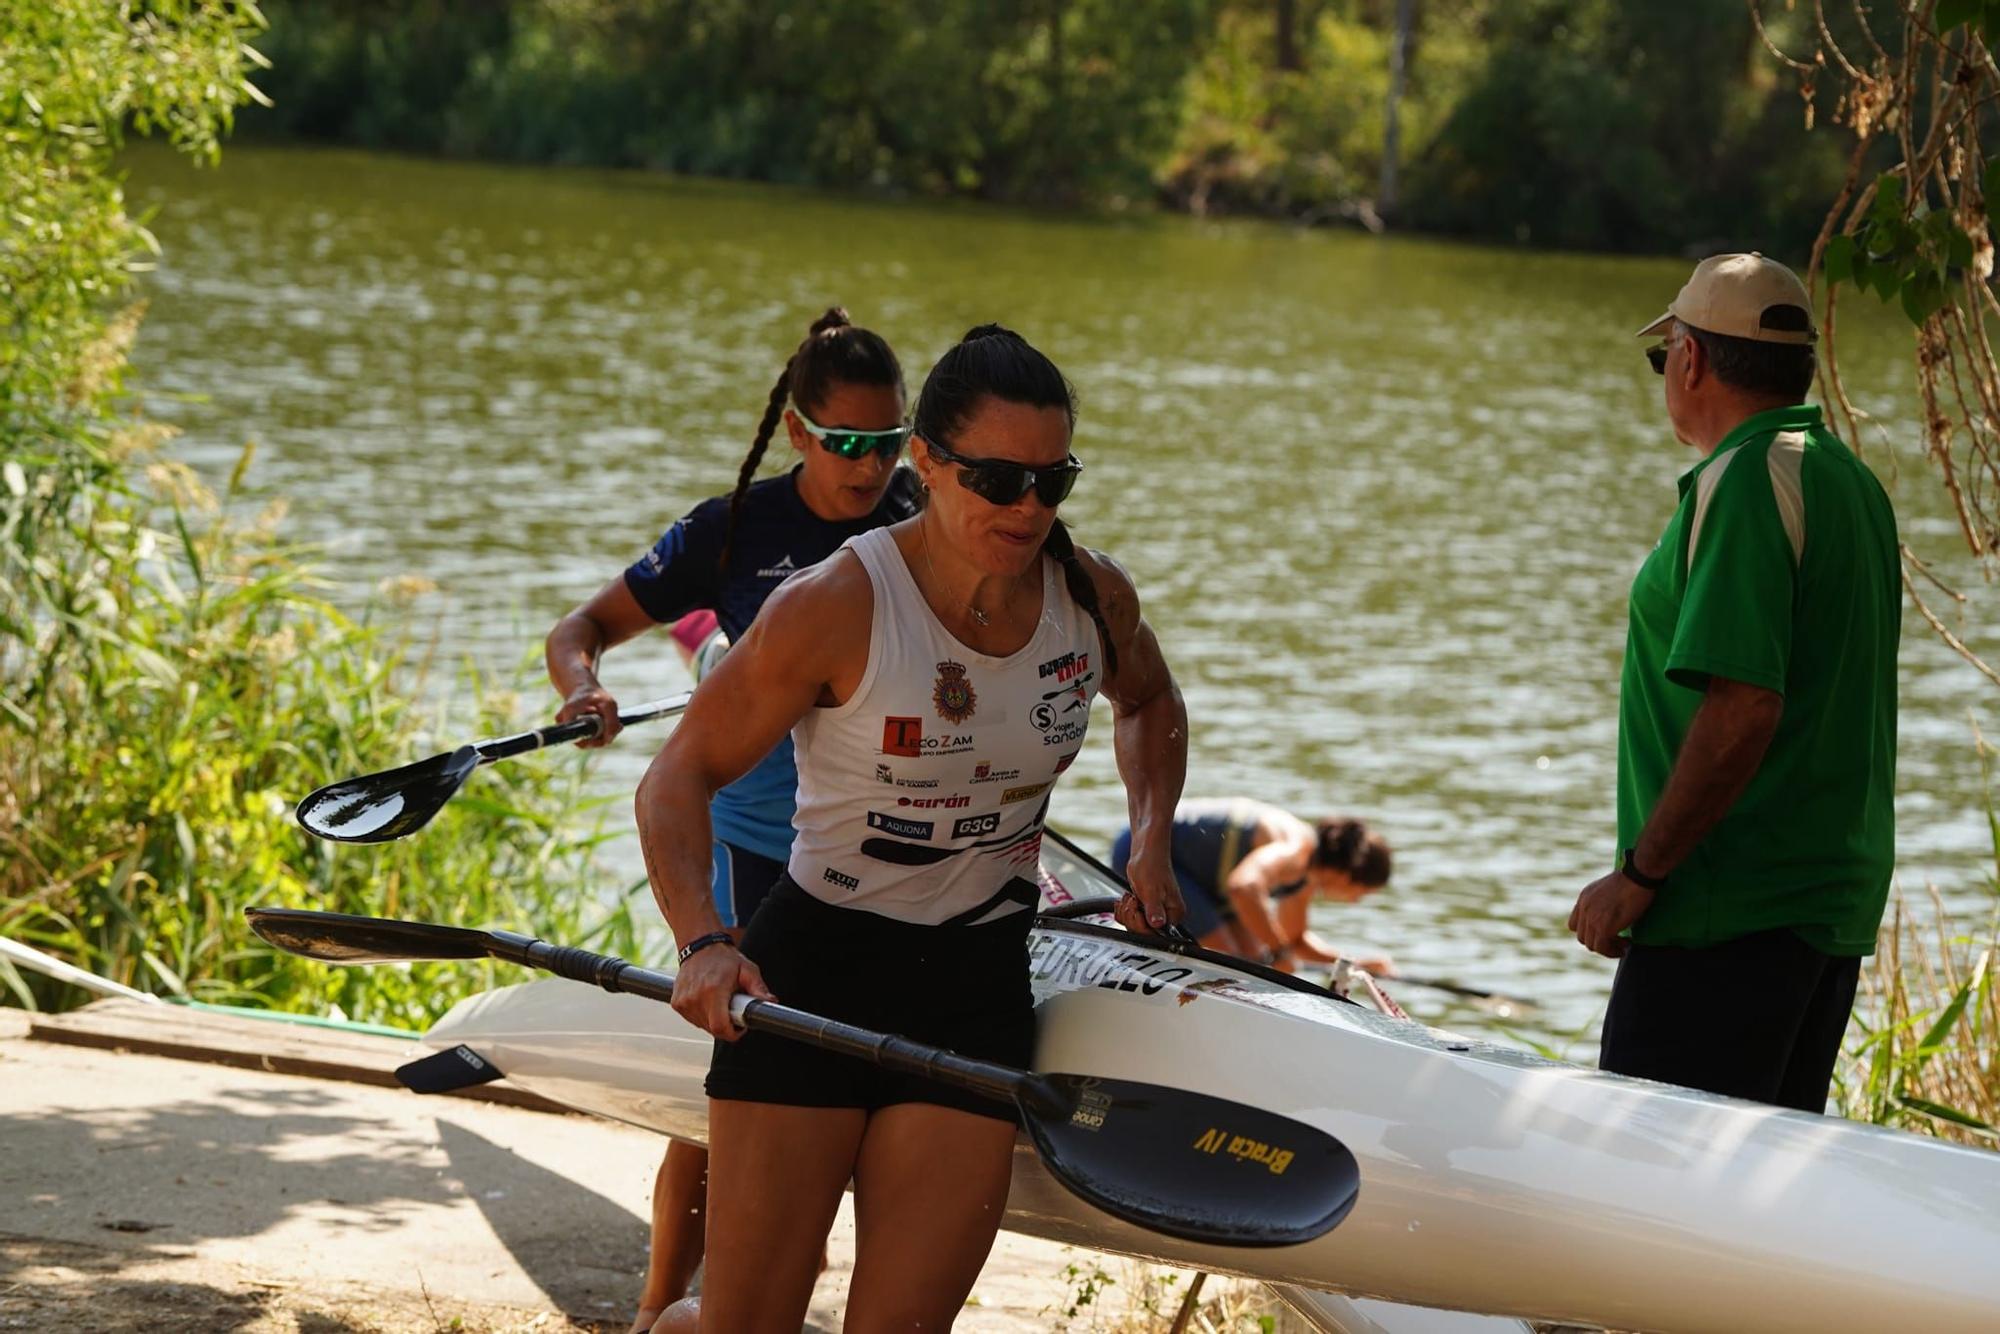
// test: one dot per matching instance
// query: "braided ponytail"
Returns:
(836, 351)
(1081, 586)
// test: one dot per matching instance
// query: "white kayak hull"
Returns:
(1492, 1181)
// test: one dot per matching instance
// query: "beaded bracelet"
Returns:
(703, 942)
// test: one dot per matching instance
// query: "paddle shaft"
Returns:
(506, 747)
(998, 1082)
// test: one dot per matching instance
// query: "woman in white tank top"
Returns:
(936, 678)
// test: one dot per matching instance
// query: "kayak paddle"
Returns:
(1185, 1164)
(378, 808)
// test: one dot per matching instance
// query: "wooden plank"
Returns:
(254, 1044)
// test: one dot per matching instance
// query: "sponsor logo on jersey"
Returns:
(1078, 688)
(953, 694)
(833, 877)
(1023, 793)
(884, 774)
(976, 826)
(901, 828)
(917, 782)
(956, 803)
(1064, 668)
(784, 569)
(984, 772)
(902, 736)
(905, 736)
(1064, 762)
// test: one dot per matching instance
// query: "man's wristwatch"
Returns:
(1629, 868)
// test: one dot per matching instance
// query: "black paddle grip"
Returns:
(581, 965)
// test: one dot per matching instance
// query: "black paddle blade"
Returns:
(1189, 1165)
(377, 808)
(447, 1071)
(338, 937)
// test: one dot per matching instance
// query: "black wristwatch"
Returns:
(1630, 870)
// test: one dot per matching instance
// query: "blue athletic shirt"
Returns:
(777, 535)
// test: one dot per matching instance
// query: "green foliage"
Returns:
(1622, 124)
(169, 678)
(1626, 124)
(1953, 14)
(1904, 252)
(1058, 102)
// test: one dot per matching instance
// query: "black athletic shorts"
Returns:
(1758, 1017)
(964, 988)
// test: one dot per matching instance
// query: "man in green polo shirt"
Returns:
(1756, 718)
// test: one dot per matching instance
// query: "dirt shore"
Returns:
(143, 1193)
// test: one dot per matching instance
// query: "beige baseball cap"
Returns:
(1742, 296)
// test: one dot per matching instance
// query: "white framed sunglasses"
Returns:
(855, 444)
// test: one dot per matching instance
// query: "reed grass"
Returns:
(1924, 1049)
(172, 674)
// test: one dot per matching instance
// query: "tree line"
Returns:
(1600, 124)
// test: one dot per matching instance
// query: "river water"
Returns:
(1382, 497)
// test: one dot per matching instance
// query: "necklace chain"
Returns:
(977, 615)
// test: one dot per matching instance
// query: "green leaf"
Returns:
(1888, 280)
(1888, 205)
(1934, 1039)
(1958, 249)
(1944, 1113)
(1923, 297)
(1839, 259)
(1954, 13)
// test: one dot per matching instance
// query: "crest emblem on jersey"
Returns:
(953, 694)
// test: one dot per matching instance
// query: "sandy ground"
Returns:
(143, 1193)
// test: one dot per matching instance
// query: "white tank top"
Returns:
(922, 797)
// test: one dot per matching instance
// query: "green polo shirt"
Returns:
(1778, 569)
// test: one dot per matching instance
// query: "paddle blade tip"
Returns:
(1193, 1166)
(333, 937)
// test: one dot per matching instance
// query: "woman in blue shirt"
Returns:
(841, 400)
(1249, 870)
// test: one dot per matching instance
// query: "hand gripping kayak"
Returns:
(1185, 1164)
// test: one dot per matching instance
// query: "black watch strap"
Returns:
(1629, 868)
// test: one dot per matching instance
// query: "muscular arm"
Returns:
(578, 642)
(1723, 748)
(1149, 738)
(807, 644)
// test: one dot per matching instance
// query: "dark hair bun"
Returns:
(979, 331)
(1349, 846)
(836, 317)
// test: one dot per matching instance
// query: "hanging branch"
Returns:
(1918, 234)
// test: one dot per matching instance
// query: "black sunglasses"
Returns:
(1002, 481)
(1656, 357)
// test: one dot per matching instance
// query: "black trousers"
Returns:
(1758, 1017)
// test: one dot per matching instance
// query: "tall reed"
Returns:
(172, 676)
(1925, 1051)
